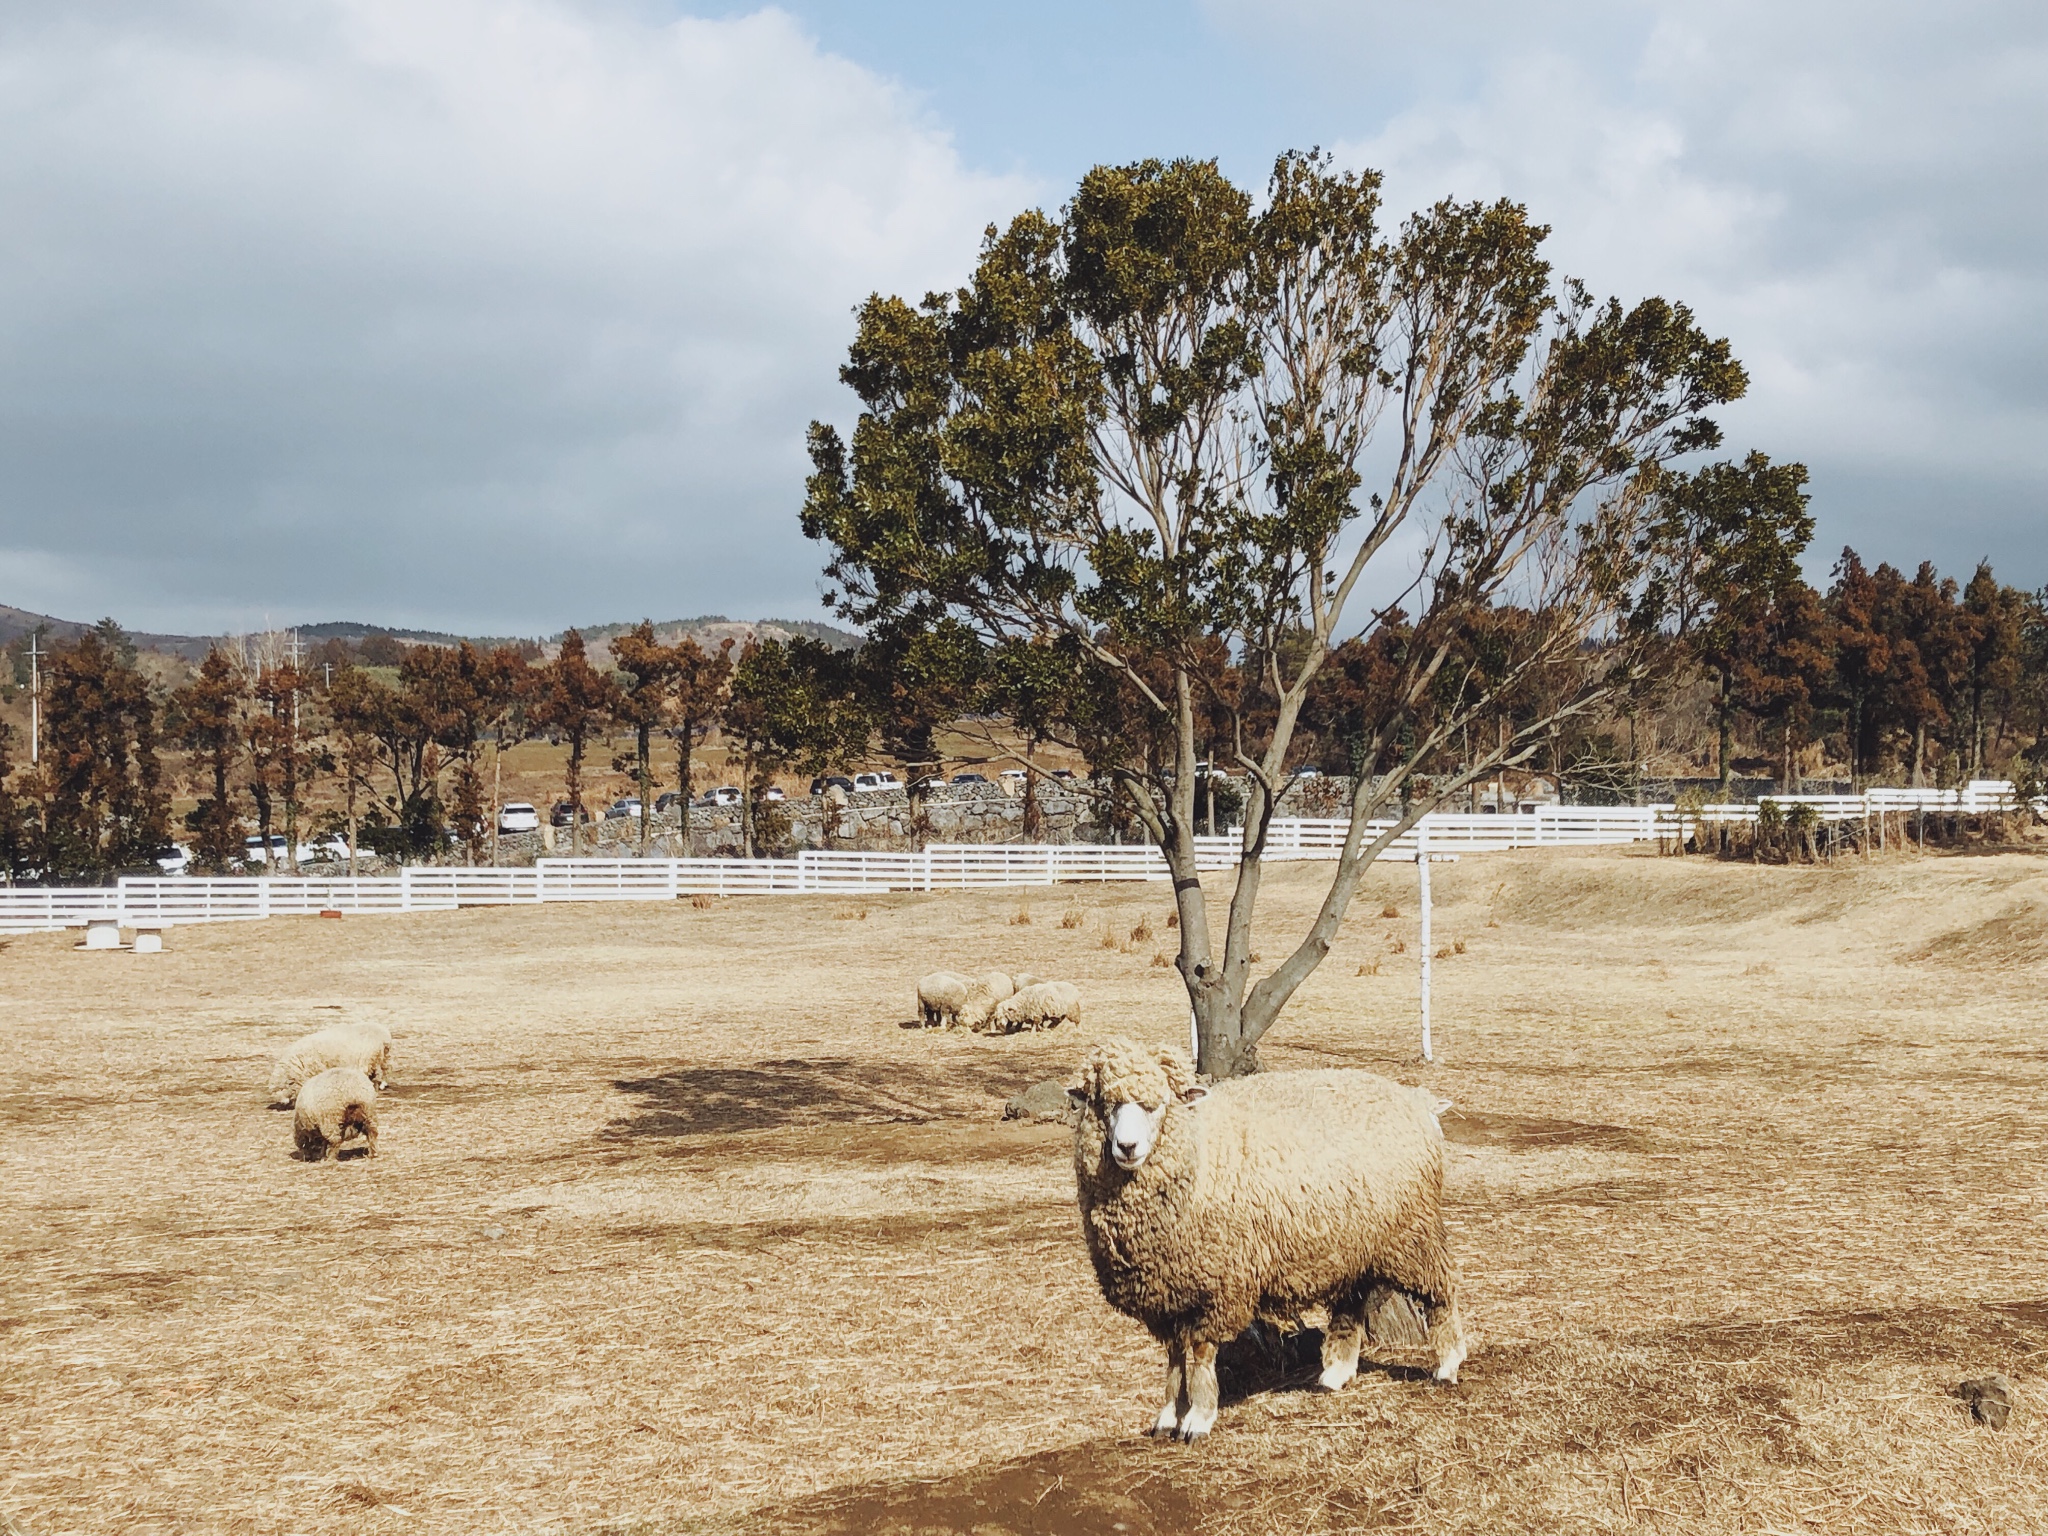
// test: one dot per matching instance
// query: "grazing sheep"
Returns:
(1040, 1006)
(334, 1105)
(1022, 979)
(940, 996)
(945, 997)
(1262, 1198)
(367, 1046)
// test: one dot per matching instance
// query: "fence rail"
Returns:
(950, 866)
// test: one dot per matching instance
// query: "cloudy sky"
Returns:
(500, 315)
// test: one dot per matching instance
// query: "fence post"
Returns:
(1422, 869)
(405, 887)
(263, 897)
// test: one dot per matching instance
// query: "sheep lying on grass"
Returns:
(948, 998)
(1041, 1006)
(1263, 1198)
(331, 1107)
(367, 1046)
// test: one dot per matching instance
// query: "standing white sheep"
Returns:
(1041, 1006)
(364, 1045)
(331, 1107)
(1268, 1197)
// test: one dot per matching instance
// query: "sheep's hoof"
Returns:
(1166, 1425)
(1190, 1432)
(1336, 1378)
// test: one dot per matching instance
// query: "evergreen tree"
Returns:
(207, 719)
(100, 782)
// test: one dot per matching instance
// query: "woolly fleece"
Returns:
(332, 1106)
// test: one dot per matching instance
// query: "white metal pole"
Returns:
(1422, 872)
(35, 701)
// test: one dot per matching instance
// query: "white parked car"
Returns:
(518, 816)
(279, 852)
(725, 794)
(1014, 775)
(773, 792)
(175, 860)
(869, 783)
(333, 848)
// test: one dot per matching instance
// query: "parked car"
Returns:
(1014, 775)
(332, 848)
(280, 851)
(1213, 771)
(825, 781)
(561, 815)
(665, 803)
(725, 794)
(773, 792)
(518, 816)
(970, 778)
(625, 805)
(1063, 773)
(1306, 772)
(869, 783)
(175, 860)
(928, 783)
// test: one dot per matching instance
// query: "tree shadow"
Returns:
(772, 1095)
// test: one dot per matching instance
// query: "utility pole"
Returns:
(35, 700)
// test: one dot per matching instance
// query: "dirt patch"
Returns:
(1127, 1487)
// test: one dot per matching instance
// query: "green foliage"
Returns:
(1128, 460)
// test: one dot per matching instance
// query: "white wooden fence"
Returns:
(944, 867)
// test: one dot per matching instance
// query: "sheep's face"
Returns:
(1133, 1132)
(1128, 1091)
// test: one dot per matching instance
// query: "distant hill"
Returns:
(16, 622)
(707, 629)
(711, 628)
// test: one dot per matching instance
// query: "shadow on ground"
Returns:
(692, 1101)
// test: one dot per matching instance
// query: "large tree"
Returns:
(104, 805)
(1165, 420)
(789, 704)
(575, 701)
(646, 696)
(206, 715)
(1736, 532)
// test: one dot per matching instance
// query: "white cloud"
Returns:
(1850, 192)
(491, 313)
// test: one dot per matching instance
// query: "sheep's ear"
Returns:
(1193, 1093)
(1078, 1097)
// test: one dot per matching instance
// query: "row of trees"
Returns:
(407, 754)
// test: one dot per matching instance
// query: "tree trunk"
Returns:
(497, 789)
(645, 780)
(1032, 816)
(1726, 722)
(683, 791)
(1919, 753)
(575, 786)
(747, 806)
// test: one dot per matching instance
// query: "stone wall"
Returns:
(883, 821)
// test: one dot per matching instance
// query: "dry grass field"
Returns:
(675, 1227)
